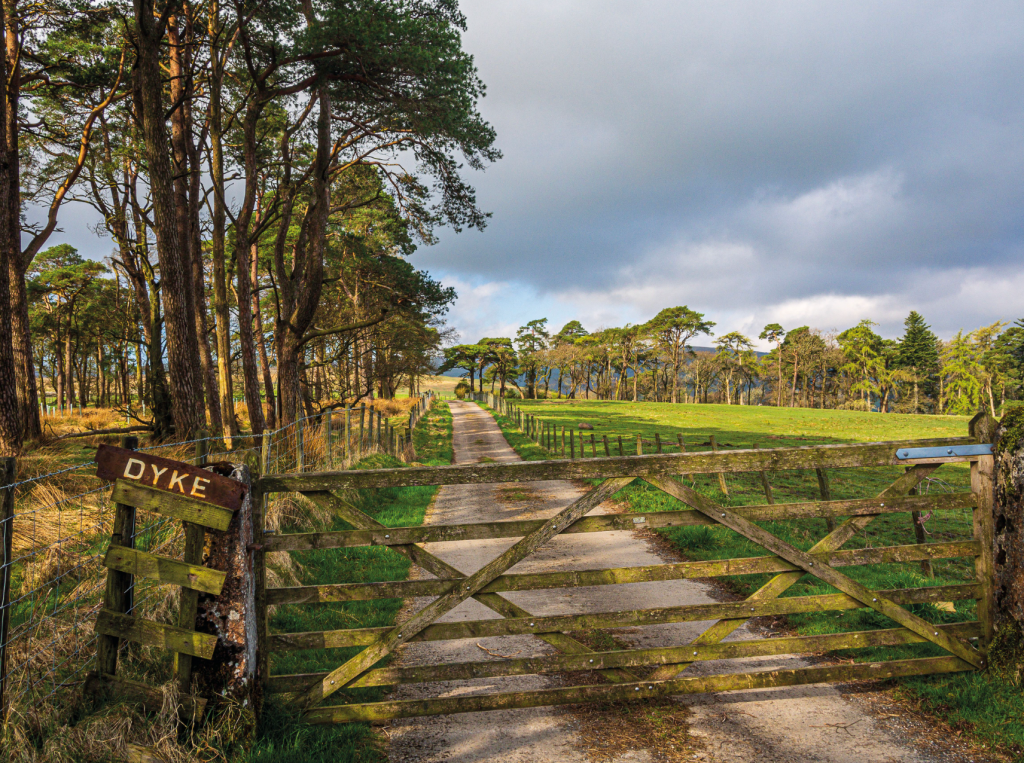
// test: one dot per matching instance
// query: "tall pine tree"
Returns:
(919, 352)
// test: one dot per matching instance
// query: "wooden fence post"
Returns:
(682, 449)
(265, 452)
(117, 594)
(825, 489)
(639, 444)
(328, 444)
(348, 434)
(607, 451)
(721, 476)
(765, 484)
(657, 442)
(8, 475)
(620, 445)
(362, 429)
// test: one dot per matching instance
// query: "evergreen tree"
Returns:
(919, 353)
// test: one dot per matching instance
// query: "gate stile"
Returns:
(823, 560)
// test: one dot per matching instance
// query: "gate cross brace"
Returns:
(440, 568)
(387, 643)
(784, 581)
(826, 573)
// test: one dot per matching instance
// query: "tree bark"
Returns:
(175, 266)
(229, 426)
(10, 420)
(186, 200)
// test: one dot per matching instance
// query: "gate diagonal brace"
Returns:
(386, 644)
(782, 582)
(441, 569)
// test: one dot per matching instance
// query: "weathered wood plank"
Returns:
(616, 576)
(156, 634)
(874, 599)
(516, 529)
(664, 465)
(464, 671)
(398, 635)
(172, 505)
(382, 711)
(282, 642)
(164, 570)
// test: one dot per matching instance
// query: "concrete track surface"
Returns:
(809, 723)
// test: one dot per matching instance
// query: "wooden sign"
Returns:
(172, 476)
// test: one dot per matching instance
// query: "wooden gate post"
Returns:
(1008, 519)
(234, 616)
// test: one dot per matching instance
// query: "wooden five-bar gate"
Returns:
(963, 644)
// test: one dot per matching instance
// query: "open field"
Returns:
(740, 425)
(988, 706)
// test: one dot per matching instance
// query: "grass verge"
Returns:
(282, 737)
(987, 707)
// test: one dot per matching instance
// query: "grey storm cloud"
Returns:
(806, 162)
(745, 156)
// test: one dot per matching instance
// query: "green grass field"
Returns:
(988, 705)
(283, 738)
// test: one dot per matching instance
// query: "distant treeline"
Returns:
(855, 369)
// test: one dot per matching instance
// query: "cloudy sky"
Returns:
(801, 162)
(794, 162)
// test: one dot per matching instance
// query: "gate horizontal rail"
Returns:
(629, 658)
(384, 711)
(964, 643)
(658, 465)
(399, 536)
(752, 565)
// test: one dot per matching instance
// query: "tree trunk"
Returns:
(792, 396)
(268, 381)
(175, 266)
(10, 418)
(217, 235)
(300, 290)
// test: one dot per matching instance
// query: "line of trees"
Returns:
(854, 369)
(262, 169)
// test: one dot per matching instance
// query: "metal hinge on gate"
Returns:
(944, 451)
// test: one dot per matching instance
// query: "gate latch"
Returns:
(944, 451)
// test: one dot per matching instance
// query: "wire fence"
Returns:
(55, 529)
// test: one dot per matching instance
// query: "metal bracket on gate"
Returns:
(944, 451)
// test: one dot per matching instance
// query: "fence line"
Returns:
(53, 527)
